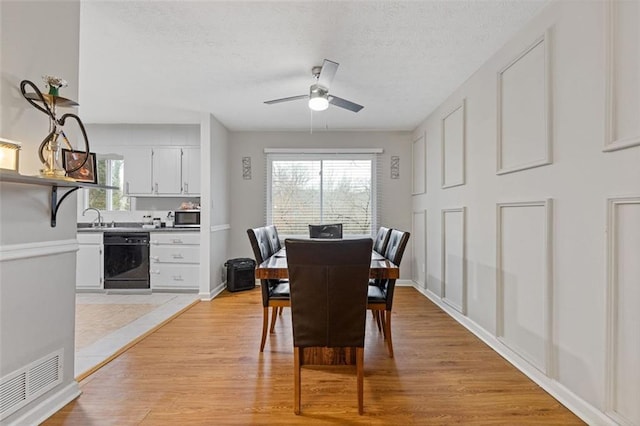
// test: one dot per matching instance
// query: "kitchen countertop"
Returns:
(130, 227)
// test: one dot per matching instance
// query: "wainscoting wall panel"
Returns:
(524, 111)
(623, 316)
(623, 75)
(551, 285)
(419, 169)
(419, 238)
(524, 280)
(454, 269)
(453, 147)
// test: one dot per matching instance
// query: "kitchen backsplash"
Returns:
(154, 207)
(134, 216)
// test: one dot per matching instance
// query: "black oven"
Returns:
(126, 260)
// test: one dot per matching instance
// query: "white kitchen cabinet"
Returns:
(191, 170)
(174, 259)
(138, 170)
(89, 262)
(164, 171)
(167, 170)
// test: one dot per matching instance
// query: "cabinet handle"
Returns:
(186, 187)
(178, 278)
(176, 241)
(126, 188)
(154, 271)
(156, 258)
(156, 187)
(177, 256)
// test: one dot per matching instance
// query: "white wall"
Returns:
(248, 196)
(215, 205)
(37, 271)
(535, 272)
(26, 57)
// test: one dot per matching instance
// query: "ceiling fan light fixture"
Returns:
(318, 98)
(318, 104)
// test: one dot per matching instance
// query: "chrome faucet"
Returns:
(98, 219)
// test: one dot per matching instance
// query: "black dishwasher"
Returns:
(126, 260)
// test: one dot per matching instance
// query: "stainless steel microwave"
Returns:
(186, 219)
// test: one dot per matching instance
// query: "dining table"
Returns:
(275, 267)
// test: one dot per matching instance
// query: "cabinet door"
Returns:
(174, 276)
(138, 170)
(167, 171)
(89, 266)
(175, 238)
(191, 170)
(174, 254)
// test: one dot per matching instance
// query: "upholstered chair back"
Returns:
(395, 249)
(333, 230)
(262, 243)
(396, 246)
(328, 283)
(382, 239)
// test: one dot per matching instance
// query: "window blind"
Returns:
(317, 188)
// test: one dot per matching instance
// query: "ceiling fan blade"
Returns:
(290, 98)
(343, 103)
(327, 73)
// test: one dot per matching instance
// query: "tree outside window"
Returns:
(110, 173)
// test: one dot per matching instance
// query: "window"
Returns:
(308, 189)
(110, 172)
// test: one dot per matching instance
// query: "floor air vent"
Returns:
(17, 389)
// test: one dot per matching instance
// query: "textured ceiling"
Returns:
(166, 62)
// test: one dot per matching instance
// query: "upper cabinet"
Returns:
(191, 170)
(162, 171)
(167, 171)
(159, 160)
(138, 170)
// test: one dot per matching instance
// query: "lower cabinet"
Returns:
(174, 259)
(89, 262)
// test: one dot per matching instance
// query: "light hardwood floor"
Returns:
(204, 368)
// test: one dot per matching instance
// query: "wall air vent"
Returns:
(24, 385)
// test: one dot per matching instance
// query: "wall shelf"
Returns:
(69, 185)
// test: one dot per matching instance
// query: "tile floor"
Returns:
(103, 347)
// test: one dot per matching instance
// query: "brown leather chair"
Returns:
(333, 230)
(381, 240)
(275, 293)
(380, 292)
(329, 281)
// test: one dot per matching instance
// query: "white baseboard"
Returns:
(48, 407)
(205, 297)
(580, 407)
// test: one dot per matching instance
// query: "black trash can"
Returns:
(241, 274)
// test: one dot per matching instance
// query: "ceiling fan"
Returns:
(319, 97)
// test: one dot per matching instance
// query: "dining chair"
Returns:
(275, 293)
(380, 292)
(329, 281)
(381, 240)
(333, 230)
